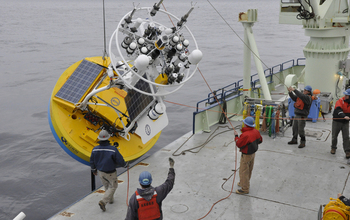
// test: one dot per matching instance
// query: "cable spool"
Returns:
(257, 116)
(245, 111)
(336, 210)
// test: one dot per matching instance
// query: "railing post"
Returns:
(93, 182)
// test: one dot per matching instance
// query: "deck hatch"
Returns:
(79, 82)
(137, 102)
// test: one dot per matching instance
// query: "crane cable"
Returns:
(282, 81)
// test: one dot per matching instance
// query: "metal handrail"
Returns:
(223, 94)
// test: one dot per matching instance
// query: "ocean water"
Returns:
(39, 39)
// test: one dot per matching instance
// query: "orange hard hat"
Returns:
(316, 92)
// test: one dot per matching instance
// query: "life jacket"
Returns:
(343, 105)
(148, 210)
(299, 104)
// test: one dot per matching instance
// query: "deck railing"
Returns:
(234, 90)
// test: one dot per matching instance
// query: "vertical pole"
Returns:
(93, 182)
(104, 32)
(258, 64)
(247, 64)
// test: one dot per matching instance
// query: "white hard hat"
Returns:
(104, 135)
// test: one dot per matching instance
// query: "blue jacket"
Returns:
(106, 158)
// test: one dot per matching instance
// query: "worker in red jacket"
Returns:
(248, 144)
(340, 122)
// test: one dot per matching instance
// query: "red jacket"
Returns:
(249, 140)
(343, 105)
(341, 109)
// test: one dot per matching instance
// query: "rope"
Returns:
(211, 137)
(168, 15)
(223, 112)
(236, 33)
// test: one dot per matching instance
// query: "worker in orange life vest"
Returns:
(302, 107)
(146, 203)
(340, 122)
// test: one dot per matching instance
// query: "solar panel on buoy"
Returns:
(79, 82)
(137, 102)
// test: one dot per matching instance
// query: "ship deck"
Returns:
(287, 182)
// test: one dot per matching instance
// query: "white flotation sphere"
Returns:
(141, 62)
(195, 57)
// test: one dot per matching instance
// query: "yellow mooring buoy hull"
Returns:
(75, 130)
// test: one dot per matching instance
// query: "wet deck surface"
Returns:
(287, 182)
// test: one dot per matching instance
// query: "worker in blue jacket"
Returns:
(103, 161)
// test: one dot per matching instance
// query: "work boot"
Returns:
(347, 154)
(239, 191)
(302, 145)
(102, 205)
(293, 141)
(333, 150)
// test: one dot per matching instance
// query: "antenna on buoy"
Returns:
(104, 30)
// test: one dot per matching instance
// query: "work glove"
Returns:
(94, 172)
(126, 165)
(171, 162)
